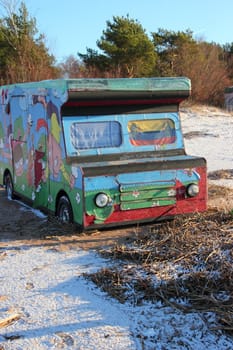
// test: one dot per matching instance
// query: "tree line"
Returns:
(124, 50)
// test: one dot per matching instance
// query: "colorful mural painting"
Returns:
(100, 152)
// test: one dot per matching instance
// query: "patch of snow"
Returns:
(60, 309)
(213, 140)
(38, 213)
(48, 290)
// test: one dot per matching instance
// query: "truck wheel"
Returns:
(9, 187)
(64, 210)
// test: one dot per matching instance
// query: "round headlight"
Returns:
(192, 190)
(101, 200)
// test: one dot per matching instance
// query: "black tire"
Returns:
(64, 210)
(9, 187)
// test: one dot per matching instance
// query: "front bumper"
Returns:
(138, 195)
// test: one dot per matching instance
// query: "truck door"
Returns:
(29, 149)
(38, 148)
(20, 144)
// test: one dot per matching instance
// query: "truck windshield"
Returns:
(95, 134)
(89, 135)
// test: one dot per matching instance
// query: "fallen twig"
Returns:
(9, 320)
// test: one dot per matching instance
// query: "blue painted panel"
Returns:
(126, 145)
(166, 177)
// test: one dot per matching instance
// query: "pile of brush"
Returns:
(186, 263)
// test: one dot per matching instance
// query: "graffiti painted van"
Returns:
(100, 152)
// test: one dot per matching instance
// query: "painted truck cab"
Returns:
(100, 152)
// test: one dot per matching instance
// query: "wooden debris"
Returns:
(3, 297)
(9, 320)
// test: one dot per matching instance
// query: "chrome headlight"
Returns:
(192, 190)
(101, 200)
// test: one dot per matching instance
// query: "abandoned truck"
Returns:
(100, 152)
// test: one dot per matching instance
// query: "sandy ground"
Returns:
(20, 225)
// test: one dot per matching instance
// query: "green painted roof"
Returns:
(118, 84)
(133, 84)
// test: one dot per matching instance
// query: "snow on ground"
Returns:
(58, 308)
(209, 134)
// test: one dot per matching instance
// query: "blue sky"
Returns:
(71, 26)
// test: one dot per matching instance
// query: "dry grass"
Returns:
(220, 197)
(205, 109)
(221, 174)
(186, 263)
